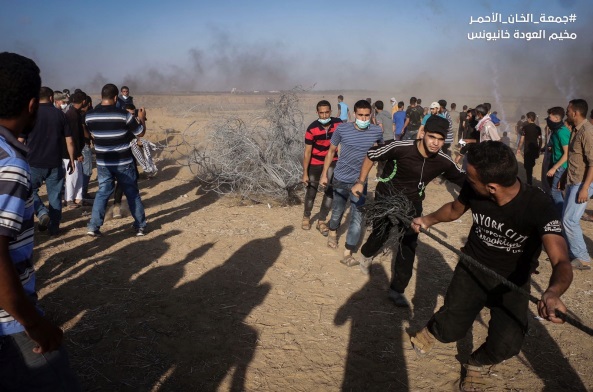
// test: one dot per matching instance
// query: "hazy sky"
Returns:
(386, 45)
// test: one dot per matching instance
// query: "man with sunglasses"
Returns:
(410, 166)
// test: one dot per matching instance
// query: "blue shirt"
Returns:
(354, 145)
(399, 119)
(16, 219)
(343, 111)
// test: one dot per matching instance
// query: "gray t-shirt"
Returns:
(384, 118)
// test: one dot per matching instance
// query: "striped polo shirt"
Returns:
(112, 129)
(16, 218)
(354, 145)
(319, 137)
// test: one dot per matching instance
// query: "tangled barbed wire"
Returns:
(389, 212)
(259, 159)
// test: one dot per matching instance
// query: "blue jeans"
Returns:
(54, 182)
(23, 370)
(126, 178)
(87, 169)
(341, 196)
(571, 220)
(556, 193)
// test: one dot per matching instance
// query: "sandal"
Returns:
(349, 261)
(587, 217)
(580, 265)
(476, 378)
(422, 342)
(306, 223)
(332, 239)
(323, 228)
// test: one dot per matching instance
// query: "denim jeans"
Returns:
(87, 169)
(556, 193)
(126, 177)
(571, 220)
(341, 196)
(23, 370)
(54, 181)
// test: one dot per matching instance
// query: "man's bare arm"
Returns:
(447, 213)
(560, 279)
(15, 302)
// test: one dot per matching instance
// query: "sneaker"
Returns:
(43, 222)
(399, 299)
(116, 211)
(94, 233)
(365, 264)
(140, 231)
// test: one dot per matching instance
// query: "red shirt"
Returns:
(320, 138)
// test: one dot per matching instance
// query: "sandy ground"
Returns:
(226, 295)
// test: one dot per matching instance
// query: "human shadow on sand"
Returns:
(211, 339)
(375, 359)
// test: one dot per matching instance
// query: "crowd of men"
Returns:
(413, 147)
(47, 136)
(44, 135)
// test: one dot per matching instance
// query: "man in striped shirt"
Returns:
(31, 351)
(354, 139)
(317, 142)
(112, 129)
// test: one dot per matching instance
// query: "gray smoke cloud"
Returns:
(530, 75)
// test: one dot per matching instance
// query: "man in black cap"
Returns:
(410, 166)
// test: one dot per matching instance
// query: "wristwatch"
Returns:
(360, 182)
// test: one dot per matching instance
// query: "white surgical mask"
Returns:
(363, 124)
(63, 106)
(324, 121)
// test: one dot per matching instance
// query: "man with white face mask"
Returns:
(61, 101)
(354, 140)
(317, 142)
(124, 98)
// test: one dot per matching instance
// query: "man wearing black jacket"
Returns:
(410, 166)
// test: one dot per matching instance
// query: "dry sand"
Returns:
(224, 295)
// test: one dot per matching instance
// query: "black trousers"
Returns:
(469, 292)
(314, 173)
(402, 262)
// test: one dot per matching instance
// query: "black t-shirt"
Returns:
(46, 139)
(406, 170)
(506, 238)
(415, 115)
(531, 132)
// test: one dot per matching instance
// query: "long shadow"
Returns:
(211, 339)
(375, 351)
(62, 261)
(98, 303)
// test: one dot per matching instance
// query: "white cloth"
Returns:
(73, 182)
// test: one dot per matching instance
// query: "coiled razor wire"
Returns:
(258, 160)
(399, 206)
